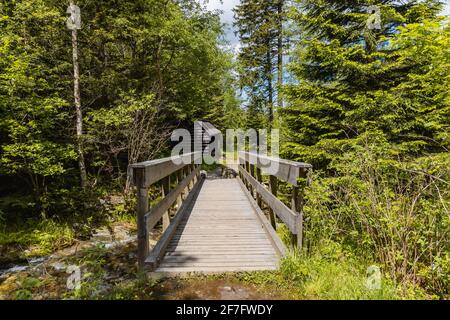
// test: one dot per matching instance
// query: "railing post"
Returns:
(298, 203)
(259, 179)
(179, 178)
(195, 179)
(297, 207)
(248, 185)
(165, 191)
(252, 173)
(273, 184)
(188, 172)
(142, 209)
(182, 173)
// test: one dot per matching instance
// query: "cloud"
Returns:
(227, 17)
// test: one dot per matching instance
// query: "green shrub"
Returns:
(389, 210)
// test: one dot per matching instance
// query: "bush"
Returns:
(389, 210)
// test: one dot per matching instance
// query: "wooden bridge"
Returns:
(213, 225)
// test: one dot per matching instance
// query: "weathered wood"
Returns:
(179, 178)
(259, 179)
(155, 214)
(177, 271)
(220, 227)
(223, 251)
(159, 250)
(156, 170)
(219, 264)
(165, 191)
(142, 207)
(194, 168)
(273, 185)
(271, 232)
(188, 172)
(297, 206)
(247, 168)
(288, 171)
(220, 236)
(281, 210)
(253, 174)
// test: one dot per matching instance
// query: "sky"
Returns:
(227, 17)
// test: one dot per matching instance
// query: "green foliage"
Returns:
(146, 66)
(368, 108)
(370, 111)
(94, 262)
(259, 25)
(392, 211)
(330, 272)
(31, 107)
(43, 237)
(337, 278)
(26, 285)
(142, 286)
(347, 87)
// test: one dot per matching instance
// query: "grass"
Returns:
(34, 238)
(319, 278)
(22, 238)
(96, 263)
(330, 273)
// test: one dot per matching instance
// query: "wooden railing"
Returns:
(186, 175)
(251, 168)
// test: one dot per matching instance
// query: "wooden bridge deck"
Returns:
(220, 232)
(217, 225)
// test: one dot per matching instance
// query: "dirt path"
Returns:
(211, 289)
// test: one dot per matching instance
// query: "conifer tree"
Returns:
(260, 29)
(348, 72)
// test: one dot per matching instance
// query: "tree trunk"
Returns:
(79, 115)
(280, 54)
(269, 85)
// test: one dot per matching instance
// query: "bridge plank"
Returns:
(159, 249)
(220, 236)
(186, 270)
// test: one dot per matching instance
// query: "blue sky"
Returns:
(227, 17)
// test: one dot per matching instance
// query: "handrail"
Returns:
(288, 171)
(251, 168)
(185, 170)
(155, 170)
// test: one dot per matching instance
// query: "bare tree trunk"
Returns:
(79, 115)
(270, 85)
(280, 54)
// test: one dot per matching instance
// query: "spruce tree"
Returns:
(260, 29)
(348, 72)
